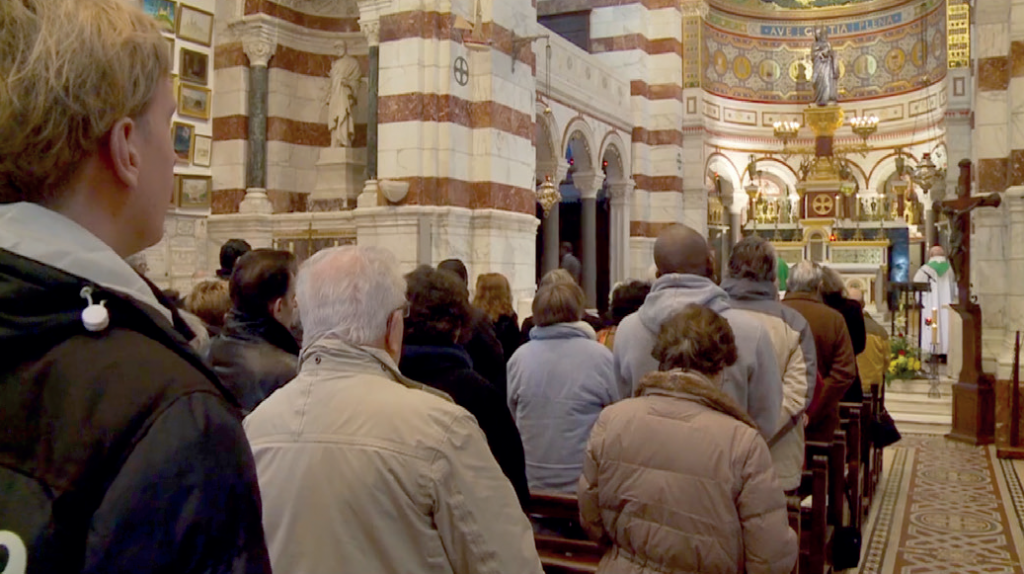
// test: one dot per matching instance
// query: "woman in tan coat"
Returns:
(678, 479)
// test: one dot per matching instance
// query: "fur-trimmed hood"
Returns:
(695, 387)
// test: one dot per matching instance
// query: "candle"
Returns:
(935, 316)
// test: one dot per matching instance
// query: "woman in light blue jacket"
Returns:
(558, 383)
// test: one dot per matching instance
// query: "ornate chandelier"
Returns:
(548, 195)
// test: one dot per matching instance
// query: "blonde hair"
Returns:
(555, 277)
(69, 70)
(493, 295)
(210, 301)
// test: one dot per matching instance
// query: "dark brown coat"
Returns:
(836, 362)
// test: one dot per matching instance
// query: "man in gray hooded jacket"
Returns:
(685, 267)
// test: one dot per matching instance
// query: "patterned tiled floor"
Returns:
(945, 507)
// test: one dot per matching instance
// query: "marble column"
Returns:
(589, 184)
(260, 49)
(556, 169)
(621, 196)
(552, 239)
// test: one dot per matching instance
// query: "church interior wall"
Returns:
(175, 261)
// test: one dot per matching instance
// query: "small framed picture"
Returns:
(194, 191)
(194, 101)
(183, 138)
(195, 25)
(193, 66)
(174, 193)
(164, 11)
(202, 151)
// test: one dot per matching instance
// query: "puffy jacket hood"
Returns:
(694, 387)
(672, 292)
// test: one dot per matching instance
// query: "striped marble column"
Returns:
(650, 55)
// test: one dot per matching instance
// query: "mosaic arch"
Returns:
(882, 53)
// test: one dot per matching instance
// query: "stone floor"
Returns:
(945, 507)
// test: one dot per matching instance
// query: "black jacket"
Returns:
(119, 450)
(507, 330)
(447, 369)
(484, 348)
(853, 314)
(254, 356)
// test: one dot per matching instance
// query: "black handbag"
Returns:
(883, 429)
(846, 548)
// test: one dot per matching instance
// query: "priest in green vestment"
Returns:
(935, 314)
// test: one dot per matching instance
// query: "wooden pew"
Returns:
(815, 532)
(878, 398)
(560, 554)
(851, 417)
(867, 449)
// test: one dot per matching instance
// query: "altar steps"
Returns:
(914, 411)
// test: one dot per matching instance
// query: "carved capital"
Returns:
(370, 27)
(588, 182)
(259, 48)
(369, 18)
(557, 170)
(621, 191)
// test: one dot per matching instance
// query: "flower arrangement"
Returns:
(905, 359)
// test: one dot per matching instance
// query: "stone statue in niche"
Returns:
(345, 77)
(826, 69)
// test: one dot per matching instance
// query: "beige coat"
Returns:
(679, 480)
(363, 470)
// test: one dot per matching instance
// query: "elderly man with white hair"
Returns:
(836, 363)
(362, 469)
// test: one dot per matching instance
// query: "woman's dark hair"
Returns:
(230, 252)
(695, 339)
(627, 299)
(438, 306)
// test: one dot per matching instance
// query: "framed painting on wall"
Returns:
(194, 191)
(195, 25)
(194, 101)
(174, 194)
(183, 138)
(202, 151)
(193, 66)
(164, 11)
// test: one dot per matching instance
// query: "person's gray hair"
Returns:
(804, 277)
(831, 282)
(349, 292)
(753, 258)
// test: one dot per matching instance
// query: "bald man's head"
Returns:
(936, 251)
(680, 249)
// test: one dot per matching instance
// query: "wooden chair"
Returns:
(815, 532)
(560, 554)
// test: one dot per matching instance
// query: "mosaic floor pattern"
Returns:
(945, 507)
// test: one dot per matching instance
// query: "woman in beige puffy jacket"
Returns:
(678, 479)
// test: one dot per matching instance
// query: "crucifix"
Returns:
(973, 394)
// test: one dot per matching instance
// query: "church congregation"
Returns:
(361, 357)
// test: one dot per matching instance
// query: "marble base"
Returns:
(340, 173)
(256, 202)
